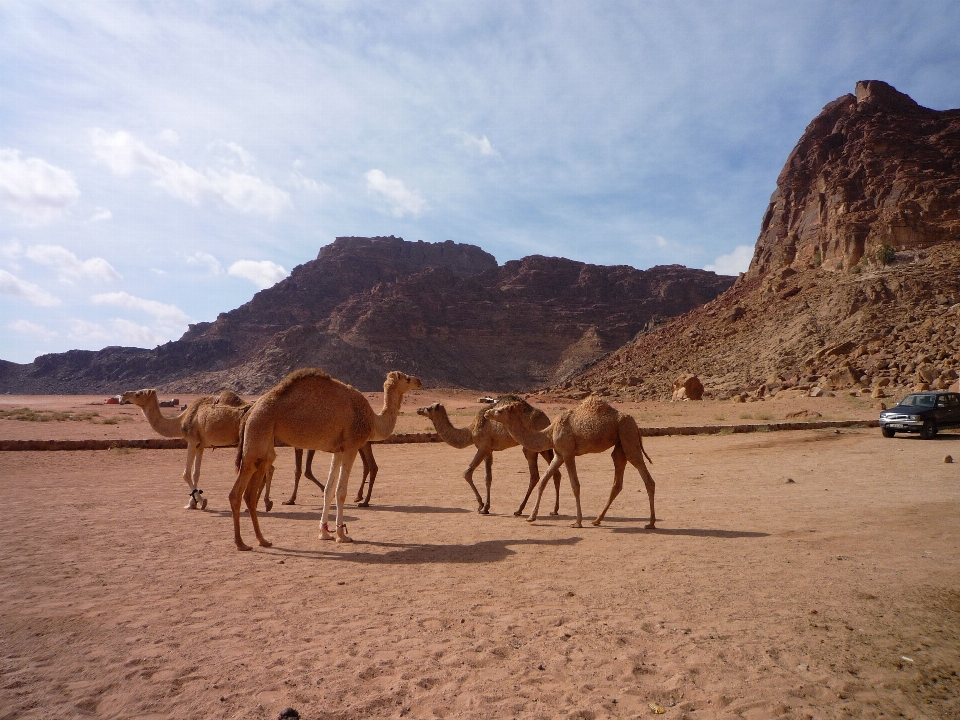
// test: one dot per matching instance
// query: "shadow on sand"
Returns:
(485, 551)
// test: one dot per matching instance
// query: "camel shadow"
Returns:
(691, 532)
(486, 551)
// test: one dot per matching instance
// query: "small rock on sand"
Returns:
(948, 459)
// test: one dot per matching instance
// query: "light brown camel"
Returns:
(309, 409)
(208, 422)
(489, 436)
(370, 469)
(591, 427)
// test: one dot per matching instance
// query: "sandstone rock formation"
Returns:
(687, 387)
(446, 312)
(855, 280)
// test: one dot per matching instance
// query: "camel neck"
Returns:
(386, 421)
(454, 436)
(536, 440)
(167, 427)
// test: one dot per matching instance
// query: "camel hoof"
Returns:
(518, 513)
(242, 547)
(192, 505)
(650, 526)
(288, 502)
(596, 522)
(532, 518)
(203, 503)
(577, 524)
(555, 512)
(344, 539)
(325, 535)
(363, 504)
(268, 505)
(484, 511)
(265, 543)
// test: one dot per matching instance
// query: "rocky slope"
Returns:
(445, 311)
(855, 280)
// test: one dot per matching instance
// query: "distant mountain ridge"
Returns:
(445, 311)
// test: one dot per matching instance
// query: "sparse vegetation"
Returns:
(28, 415)
(746, 416)
(817, 257)
(886, 254)
(719, 417)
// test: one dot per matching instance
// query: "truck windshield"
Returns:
(919, 400)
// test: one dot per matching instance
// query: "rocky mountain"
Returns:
(444, 311)
(855, 280)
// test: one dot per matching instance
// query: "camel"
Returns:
(489, 436)
(311, 410)
(591, 427)
(370, 469)
(207, 422)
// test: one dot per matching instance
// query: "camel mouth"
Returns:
(423, 411)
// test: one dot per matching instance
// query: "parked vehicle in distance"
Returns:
(922, 412)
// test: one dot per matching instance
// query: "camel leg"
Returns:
(619, 463)
(308, 471)
(531, 457)
(632, 442)
(651, 486)
(345, 466)
(248, 467)
(188, 474)
(543, 483)
(548, 454)
(575, 485)
(265, 488)
(252, 494)
(488, 479)
(369, 463)
(325, 533)
(297, 472)
(363, 480)
(196, 491)
(468, 475)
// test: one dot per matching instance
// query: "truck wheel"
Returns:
(928, 430)
(888, 433)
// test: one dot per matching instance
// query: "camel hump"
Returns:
(298, 375)
(229, 398)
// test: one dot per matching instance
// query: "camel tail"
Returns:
(245, 413)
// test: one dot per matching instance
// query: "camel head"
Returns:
(430, 410)
(508, 409)
(141, 398)
(401, 382)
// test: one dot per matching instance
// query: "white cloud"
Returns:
(34, 189)
(124, 155)
(261, 273)
(169, 315)
(661, 241)
(12, 285)
(205, 260)
(131, 334)
(87, 332)
(229, 153)
(401, 200)
(480, 144)
(305, 183)
(169, 136)
(70, 267)
(31, 328)
(733, 263)
(101, 214)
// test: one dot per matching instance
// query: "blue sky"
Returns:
(162, 161)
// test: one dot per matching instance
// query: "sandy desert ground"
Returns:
(834, 595)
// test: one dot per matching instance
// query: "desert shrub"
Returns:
(817, 257)
(886, 254)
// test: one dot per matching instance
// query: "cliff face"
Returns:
(820, 305)
(873, 168)
(444, 311)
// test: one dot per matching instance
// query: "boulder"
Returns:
(687, 387)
